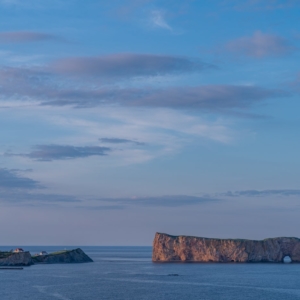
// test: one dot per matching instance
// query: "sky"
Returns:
(123, 118)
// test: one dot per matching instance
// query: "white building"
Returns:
(18, 250)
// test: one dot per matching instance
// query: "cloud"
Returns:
(21, 196)
(156, 201)
(38, 85)
(58, 152)
(11, 179)
(25, 37)
(209, 97)
(135, 10)
(23, 82)
(124, 65)
(159, 201)
(120, 141)
(260, 45)
(102, 207)
(158, 20)
(15, 188)
(164, 131)
(262, 193)
(216, 98)
(44, 87)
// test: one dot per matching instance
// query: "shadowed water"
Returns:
(128, 273)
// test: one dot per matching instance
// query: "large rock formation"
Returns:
(168, 248)
(15, 259)
(61, 257)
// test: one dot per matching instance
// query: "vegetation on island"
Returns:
(5, 254)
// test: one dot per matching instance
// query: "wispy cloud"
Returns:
(124, 65)
(58, 85)
(120, 141)
(164, 132)
(170, 201)
(25, 37)
(61, 152)
(260, 45)
(71, 77)
(101, 207)
(158, 201)
(262, 193)
(16, 188)
(215, 98)
(12, 179)
(158, 20)
(43, 87)
(22, 196)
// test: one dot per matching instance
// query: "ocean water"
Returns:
(128, 273)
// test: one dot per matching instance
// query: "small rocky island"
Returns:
(13, 259)
(169, 248)
(24, 258)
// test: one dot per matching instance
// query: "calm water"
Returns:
(128, 273)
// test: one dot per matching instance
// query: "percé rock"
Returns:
(15, 259)
(61, 257)
(168, 248)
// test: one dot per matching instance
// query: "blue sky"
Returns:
(123, 118)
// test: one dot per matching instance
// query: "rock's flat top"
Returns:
(61, 257)
(168, 248)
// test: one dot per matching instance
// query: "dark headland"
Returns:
(168, 248)
(24, 258)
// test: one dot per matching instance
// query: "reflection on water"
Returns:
(128, 273)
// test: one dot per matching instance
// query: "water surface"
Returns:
(128, 273)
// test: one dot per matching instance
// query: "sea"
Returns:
(128, 273)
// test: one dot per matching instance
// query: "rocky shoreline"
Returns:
(168, 248)
(14, 259)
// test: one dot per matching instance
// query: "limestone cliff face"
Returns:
(71, 256)
(168, 248)
(15, 259)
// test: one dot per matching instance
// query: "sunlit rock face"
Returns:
(168, 248)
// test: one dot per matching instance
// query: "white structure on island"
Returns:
(18, 250)
(43, 253)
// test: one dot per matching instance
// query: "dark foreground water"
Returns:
(128, 273)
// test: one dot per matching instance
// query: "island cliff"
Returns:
(168, 248)
(62, 257)
(15, 259)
